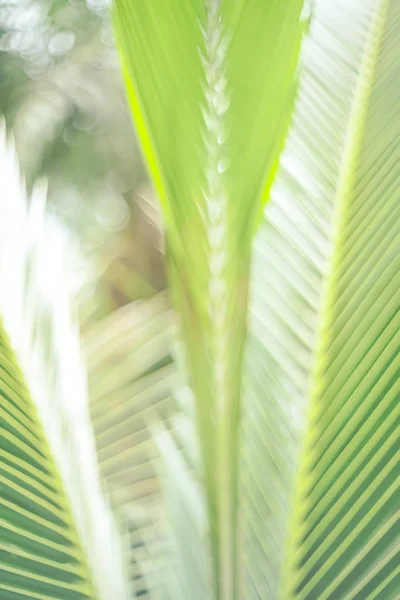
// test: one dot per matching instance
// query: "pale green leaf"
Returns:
(132, 386)
(58, 539)
(337, 155)
(290, 259)
(211, 96)
(345, 534)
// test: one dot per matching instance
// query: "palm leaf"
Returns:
(51, 504)
(344, 541)
(185, 525)
(290, 261)
(132, 387)
(143, 421)
(212, 129)
(290, 265)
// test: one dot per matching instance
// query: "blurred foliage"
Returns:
(336, 194)
(62, 96)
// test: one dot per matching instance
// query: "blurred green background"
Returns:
(62, 96)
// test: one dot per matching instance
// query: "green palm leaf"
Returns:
(132, 387)
(143, 422)
(290, 261)
(185, 524)
(57, 536)
(212, 129)
(345, 536)
(340, 151)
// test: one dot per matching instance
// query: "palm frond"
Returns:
(340, 158)
(290, 261)
(184, 521)
(58, 537)
(132, 387)
(211, 97)
(345, 538)
(143, 421)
